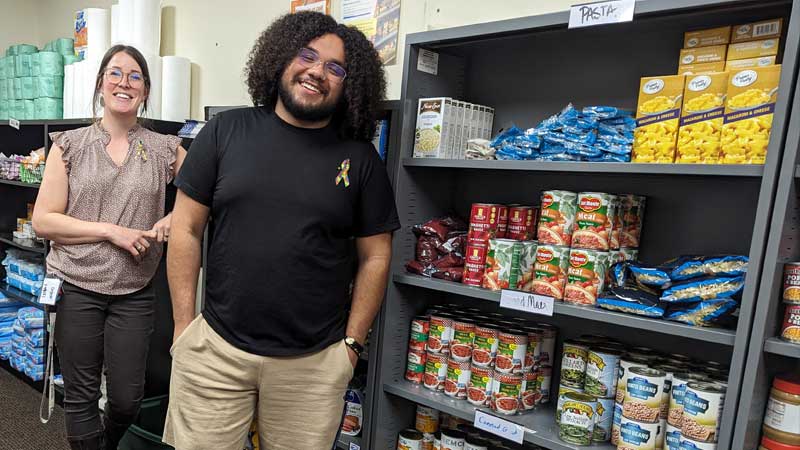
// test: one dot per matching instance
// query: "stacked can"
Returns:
(790, 330)
(484, 224)
(556, 218)
(641, 408)
(427, 423)
(702, 414)
(417, 343)
(632, 220)
(522, 222)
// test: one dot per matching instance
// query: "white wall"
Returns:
(217, 36)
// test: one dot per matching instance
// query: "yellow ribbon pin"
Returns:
(140, 151)
(344, 168)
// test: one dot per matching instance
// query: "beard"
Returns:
(324, 110)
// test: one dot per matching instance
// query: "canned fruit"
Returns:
(502, 257)
(593, 221)
(632, 219)
(550, 271)
(557, 217)
(586, 275)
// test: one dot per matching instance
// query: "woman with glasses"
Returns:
(101, 203)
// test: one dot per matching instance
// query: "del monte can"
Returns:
(557, 217)
(593, 221)
(550, 270)
(586, 275)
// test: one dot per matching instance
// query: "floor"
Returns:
(20, 428)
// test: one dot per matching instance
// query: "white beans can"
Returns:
(672, 438)
(625, 365)
(643, 394)
(702, 411)
(689, 444)
(636, 435)
(616, 423)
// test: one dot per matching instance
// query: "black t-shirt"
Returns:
(285, 209)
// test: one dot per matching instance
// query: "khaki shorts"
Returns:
(216, 389)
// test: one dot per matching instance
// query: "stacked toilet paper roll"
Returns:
(176, 88)
(137, 23)
(154, 65)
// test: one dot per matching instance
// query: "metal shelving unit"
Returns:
(528, 69)
(24, 297)
(7, 238)
(348, 442)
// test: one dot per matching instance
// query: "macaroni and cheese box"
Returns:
(700, 69)
(749, 63)
(705, 38)
(434, 127)
(753, 49)
(657, 115)
(765, 29)
(701, 119)
(749, 107)
(700, 55)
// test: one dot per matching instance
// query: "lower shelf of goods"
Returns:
(609, 394)
(24, 271)
(22, 337)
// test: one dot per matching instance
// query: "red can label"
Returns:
(534, 350)
(529, 394)
(435, 371)
(502, 223)
(457, 379)
(511, 350)
(415, 369)
(484, 346)
(522, 223)
(474, 264)
(441, 331)
(479, 391)
(791, 283)
(420, 327)
(505, 393)
(484, 221)
(791, 324)
(461, 344)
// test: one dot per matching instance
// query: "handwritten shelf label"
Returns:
(527, 302)
(601, 13)
(499, 427)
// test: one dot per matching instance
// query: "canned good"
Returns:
(662, 427)
(484, 346)
(702, 411)
(522, 223)
(545, 381)
(427, 420)
(629, 254)
(435, 371)
(511, 349)
(415, 367)
(453, 439)
(457, 378)
(547, 357)
(437, 440)
(474, 262)
(604, 418)
(593, 221)
(573, 364)
(560, 399)
(670, 371)
(440, 334)
(625, 365)
(637, 435)
(602, 372)
(691, 444)
(484, 221)
(420, 327)
(469, 430)
(643, 394)
(529, 392)
(476, 443)
(502, 222)
(586, 276)
(791, 283)
(557, 217)
(672, 438)
(616, 424)
(534, 350)
(550, 270)
(527, 262)
(616, 222)
(409, 440)
(502, 257)
(676, 394)
(790, 330)
(505, 393)
(461, 343)
(632, 219)
(479, 390)
(428, 442)
(577, 418)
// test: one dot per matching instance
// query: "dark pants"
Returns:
(93, 329)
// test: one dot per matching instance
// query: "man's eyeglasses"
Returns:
(115, 76)
(309, 58)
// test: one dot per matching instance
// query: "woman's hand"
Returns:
(161, 228)
(135, 242)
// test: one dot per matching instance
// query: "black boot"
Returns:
(93, 443)
(113, 433)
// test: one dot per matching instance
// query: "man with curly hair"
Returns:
(298, 198)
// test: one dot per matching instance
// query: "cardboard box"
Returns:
(705, 38)
(749, 63)
(702, 55)
(749, 108)
(657, 116)
(701, 69)
(753, 49)
(765, 29)
(701, 119)
(433, 131)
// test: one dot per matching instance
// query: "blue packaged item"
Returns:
(35, 356)
(611, 157)
(509, 152)
(631, 300)
(650, 276)
(618, 273)
(35, 337)
(568, 114)
(605, 112)
(626, 122)
(687, 267)
(582, 150)
(31, 317)
(581, 137)
(34, 372)
(617, 149)
(703, 289)
(703, 314)
(563, 156)
(504, 136)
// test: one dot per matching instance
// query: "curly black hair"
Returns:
(364, 86)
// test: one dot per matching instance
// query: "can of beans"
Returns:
(629, 254)
(440, 333)
(790, 330)
(672, 438)
(529, 393)
(670, 371)
(484, 346)
(505, 392)
(415, 367)
(475, 262)
(560, 402)
(453, 439)
(643, 394)
(420, 326)
(435, 371)
(557, 217)
(676, 394)
(791, 283)
(586, 276)
(545, 381)
(702, 411)
(484, 221)
(577, 418)
(427, 420)
(593, 221)
(691, 444)
(547, 357)
(616, 423)
(501, 259)
(502, 221)
(409, 440)
(461, 343)
(479, 391)
(573, 364)
(550, 270)
(625, 365)
(527, 263)
(616, 222)
(637, 435)
(602, 372)
(457, 378)
(522, 223)
(604, 418)
(632, 219)
(511, 348)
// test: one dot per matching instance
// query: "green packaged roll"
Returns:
(52, 87)
(50, 64)
(35, 65)
(11, 50)
(18, 111)
(3, 109)
(17, 89)
(23, 65)
(48, 47)
(48, 108)
(11, 67)
(29, 110)
(3, 90)
(27, 88)
(10, 89)
(71, 59)
(3, 68)
(64, 46)
(26, 49)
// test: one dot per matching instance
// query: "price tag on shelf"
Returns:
(601, 13)
(428, 61)
(14, 123)
(526, 301)
(50, 290)
(500, 427)
(354, 446)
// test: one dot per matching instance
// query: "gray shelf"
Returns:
(593, 167)
(778, 346)
(20, 183)
(712, 335)
(540, 425)
(8, 238)
(344, 442)
(24, 297)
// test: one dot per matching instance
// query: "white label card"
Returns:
(526, 301)
(50, 289)
(601, 13)
(428, 61)
(14, 123)
(500, 427)
(354, 446)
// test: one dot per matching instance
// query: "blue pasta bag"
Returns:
(31, 317)
(605, 112)
(617, 149)
(562, 156)
(508, 152)
(624, 122)
(688, 267)
(618, 274)
(649, 276)
(704, 289)
(504, 136)
(35, 337)
(611, 157)
(631, 300)
(582, 150)
(704, 313)
(579, 136)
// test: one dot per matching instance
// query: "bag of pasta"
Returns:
(687, 267)
(706, 313)
(703, 289)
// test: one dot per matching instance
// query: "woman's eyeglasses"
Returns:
(115, 76)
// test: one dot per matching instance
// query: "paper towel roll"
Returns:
(92, 33)
(69, 86)
(125, 22)
(114, 24)
(146, 34)
(154, 65)
(176, 88)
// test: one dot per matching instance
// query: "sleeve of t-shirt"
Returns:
(376, 212)
(198, 175)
